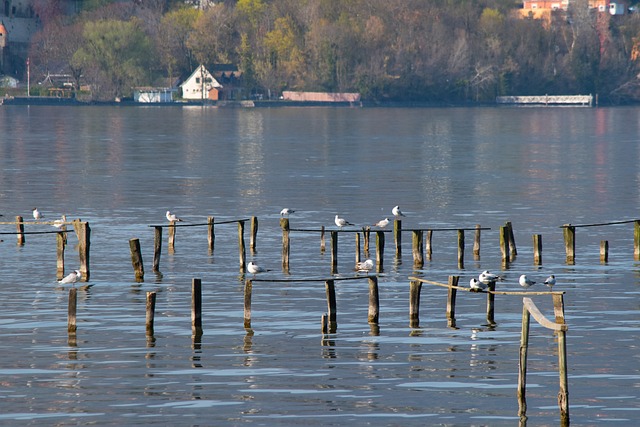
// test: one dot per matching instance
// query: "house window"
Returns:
(198, 80)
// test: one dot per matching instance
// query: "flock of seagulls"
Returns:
(486, 278)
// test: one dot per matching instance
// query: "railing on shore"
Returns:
(547, 100)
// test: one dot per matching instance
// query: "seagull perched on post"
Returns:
(72, 277)
(550, 281)
(254, 269)
(341, 222)
(487, 278)
(286, 211)
(476, 285)
(60, 222)
(397, 212)
(172, 217)
(525, 282)
(36, 214)
(364, 266)
(382, 223)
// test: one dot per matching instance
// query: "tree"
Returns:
(175, 29)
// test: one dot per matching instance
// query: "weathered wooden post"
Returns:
(476, 243)
(171, 241)
(60, 246)
(157, 249)
(461, 249)
(636, 240)
(196, 307)
(284, 224)
(324, 324)
(604, 251)
(418, 248)
(451, 301)
(136, 259)
(248, 289)
(522, 364)
(211, 235)
(379, 251)
(71, 318)
(428, 244)
(20, 230)
(84, 244)
(563, 393)
(558, 306)
(490, 303)
(243, 252)
(397, 233)
(254, 234)
(512, 241)
(357, 248)
(537, 249)
(334, 252)
(331, 304)
(504, 245)
(415, 286)
(151, 312)
(374, 301)
(569, 233)
(322, 240)
(366, 233)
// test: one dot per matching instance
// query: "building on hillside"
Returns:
(541, 8)
(153, 95)
(201, 85)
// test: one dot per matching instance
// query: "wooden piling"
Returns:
(558, 307)
(241, 248)
(357, 248)
(428, 244)
(286, 246)
(334, 252)
(513, 251)
(151, 312)
(157, 249)
(569, 233)
(136, 259)
(196, 307)
(636, 240)
(604, 251)
(254, 234)
(366, 233)
(491, 304)
(60, 246)
(374, 301)
(460, 248)
(451, 301)
(71, 318)
(397, 234)
(248, 288)
(563, 393)
(504, 245)
(20, 230)
(322, 240)
(418, 250)
(324, 324)
(522, 363)
(83, 232)
(211, 234)
(331, 304)
(537, 249)
(379, 251)
(415, 287)
(171, 241)
(476, 243)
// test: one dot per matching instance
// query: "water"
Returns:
(122, 168)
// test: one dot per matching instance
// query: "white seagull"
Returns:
(286, 211)
(72, 277)
(172, 217)
(60, 222)
(364, 266)
(254, 269)
(476, 285)
(487, 278)
(525, 282)
(550, 281)
(382, 223)
(397, 212)
(341, 222)
(36, 214)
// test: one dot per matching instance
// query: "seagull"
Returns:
(487, 278)
(36, 214)
(286, 211)
(254, 269)
(364, 266)
(382, 223)
(396, 212)
(476, 285)
(550, 281)
(60, 222)
(341, 222)
(172, 217)
(526, 282)
(72, 277)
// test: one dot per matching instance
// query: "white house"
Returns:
(153, 94)
(201, 85)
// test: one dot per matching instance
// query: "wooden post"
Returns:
(522, 364)
(284, 224)
(331, 304)
(490, 304)
(504, 245)
(254, 234)
(558, 307)
(418, 250)
(476, 243)
(196, 307)
(71, 319)
(84, 244)
(241, 248)
(366, 232)
(414, 303)
(461, 249)
(569, 232)
(397, 233)
(151, 312)
(248, 288)
(171, 242)
(636, 240)
(211, 236)
(136, 259)
(374, 301)
(451, 301)
(357, 248)
(379, 251)
(157, 249)
(512, 241)
(537, 249)
(604, 251)
(20, 230)
(324, 324)
(60, 246)
(428, 244)
(563, 394)
(322, 240)
(334, 252)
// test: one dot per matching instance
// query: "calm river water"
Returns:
(122, 168)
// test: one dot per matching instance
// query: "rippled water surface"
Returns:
(121, 168)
